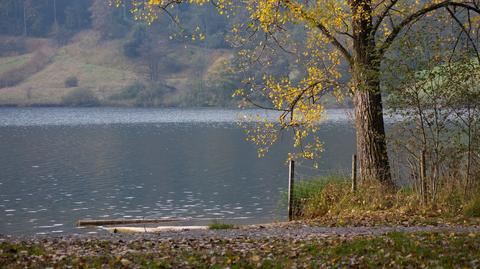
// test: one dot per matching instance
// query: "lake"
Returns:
(58, 165)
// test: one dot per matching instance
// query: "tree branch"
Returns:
(465, 31)
(334, 41)
(382, 17)
(415, 16)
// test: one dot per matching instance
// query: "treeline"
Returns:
(56, 18)
(36, 18)
(186, 49)
(35, 26)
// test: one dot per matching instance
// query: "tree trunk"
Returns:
(370, 129)
(370, 133)
(24, 18)
(55, 12)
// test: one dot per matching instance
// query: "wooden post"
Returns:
(423, 177)
(291, 174)
(354, 173)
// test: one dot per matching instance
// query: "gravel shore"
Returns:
(287, 231)
(260, 246)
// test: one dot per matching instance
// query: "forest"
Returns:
(75, 40)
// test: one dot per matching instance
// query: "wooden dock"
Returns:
(103, 222)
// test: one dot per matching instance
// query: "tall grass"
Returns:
(331, 195)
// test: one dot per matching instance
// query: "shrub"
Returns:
(153, 95)
(129, 92)
(81, 97)
(142, 95)
(61, 35)
(71, 81)
(472, 208)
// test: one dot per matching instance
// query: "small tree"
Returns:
(440, 126)
(71, 81)
(81, 97)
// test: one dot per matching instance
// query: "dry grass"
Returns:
(98, 66)
(12, 62)
(101, 67)
(330, 199)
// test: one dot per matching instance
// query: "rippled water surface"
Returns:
(58, 165)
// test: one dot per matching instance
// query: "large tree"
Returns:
(346, 42)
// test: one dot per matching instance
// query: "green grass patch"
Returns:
(221, 226)
(472, 208)
(404, 250)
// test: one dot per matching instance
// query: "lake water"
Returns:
(58, 165)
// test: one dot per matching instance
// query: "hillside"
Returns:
(101, 68)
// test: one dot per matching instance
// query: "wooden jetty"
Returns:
(102, 222)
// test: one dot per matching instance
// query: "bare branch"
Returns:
(382, 16)
(334, 41)
(262, 106)
(417, 15)
(465, 31)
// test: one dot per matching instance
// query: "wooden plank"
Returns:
(123, 221)
(155, 229)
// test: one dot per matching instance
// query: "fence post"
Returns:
(354, 173)
(423, 176)
(291, 174)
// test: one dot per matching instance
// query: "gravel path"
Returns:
(303, 232)
(257, 232)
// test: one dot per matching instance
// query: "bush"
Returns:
(81, 97)
(153, 95)
(472, 208)
(71, 81)
(142, 95)
(61, 35)
(130, 92)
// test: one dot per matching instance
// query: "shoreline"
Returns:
(281, 229)
(289, 246)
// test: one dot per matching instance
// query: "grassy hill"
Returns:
(100, 67)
